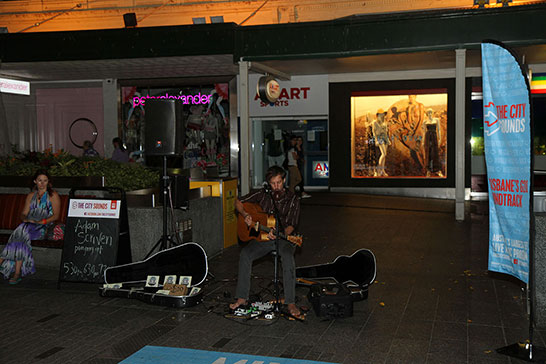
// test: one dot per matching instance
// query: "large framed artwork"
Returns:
(399, 134)
(395, 133)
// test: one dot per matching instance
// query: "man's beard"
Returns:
(277, 195)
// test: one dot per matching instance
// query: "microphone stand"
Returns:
(275, 213)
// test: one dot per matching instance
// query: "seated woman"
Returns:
(42, 207)
(88, 150)
(119, 154)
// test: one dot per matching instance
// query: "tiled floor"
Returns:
(433, 300)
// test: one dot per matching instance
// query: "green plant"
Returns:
(129, 176)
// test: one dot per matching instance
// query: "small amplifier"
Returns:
(331, 300)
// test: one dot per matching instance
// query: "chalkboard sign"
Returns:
(92, 239)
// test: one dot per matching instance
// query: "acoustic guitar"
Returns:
(263, 224)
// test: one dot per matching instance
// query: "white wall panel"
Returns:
(58, 108)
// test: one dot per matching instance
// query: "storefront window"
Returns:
(538, 107)
(271, 142)
(399, 135)
(206, 125)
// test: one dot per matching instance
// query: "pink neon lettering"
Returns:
(187, 99)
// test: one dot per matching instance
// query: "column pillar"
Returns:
(244, 131)
(110, 98)
(460, 141)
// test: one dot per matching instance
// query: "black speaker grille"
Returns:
(164, 128)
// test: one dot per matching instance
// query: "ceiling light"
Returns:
(481, 3)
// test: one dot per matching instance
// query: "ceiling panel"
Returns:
(138, 68)
(222, 65)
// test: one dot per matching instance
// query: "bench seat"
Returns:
(11, 206)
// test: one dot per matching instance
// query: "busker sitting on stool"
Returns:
(288, 206)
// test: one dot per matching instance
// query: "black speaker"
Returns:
(331, 300)
(130, 20)
(164, 129)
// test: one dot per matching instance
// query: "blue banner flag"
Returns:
(507, 140)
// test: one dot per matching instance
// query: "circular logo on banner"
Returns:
(268, 89)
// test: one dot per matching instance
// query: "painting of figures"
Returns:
(399, 134)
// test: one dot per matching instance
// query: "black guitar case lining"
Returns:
(153, 297)
(170, 301)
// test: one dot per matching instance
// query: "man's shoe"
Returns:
(305, 195)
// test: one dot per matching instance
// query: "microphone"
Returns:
(266, 186)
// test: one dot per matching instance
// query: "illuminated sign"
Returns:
(14, 87)
(320, 169)
(268, 89)
(538, 83)
(283, 96)
(186, 99)
(301, 96)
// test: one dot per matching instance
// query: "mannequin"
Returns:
(371, 153)
(222, 92)
(415, 112)
(432, 141)
(212, 134)
(381, 137)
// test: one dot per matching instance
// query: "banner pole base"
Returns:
(524, 351)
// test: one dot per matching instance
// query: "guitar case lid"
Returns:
(358, 269)
(187, 259)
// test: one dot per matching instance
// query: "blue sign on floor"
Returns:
(166, 355)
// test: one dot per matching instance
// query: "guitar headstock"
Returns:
(295, 239)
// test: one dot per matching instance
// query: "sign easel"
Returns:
(96, 236)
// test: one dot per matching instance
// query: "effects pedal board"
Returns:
(263, 306)
(255, 310)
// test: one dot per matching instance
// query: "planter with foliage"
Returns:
(129, 176)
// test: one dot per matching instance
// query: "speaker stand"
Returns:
(524, 351)
(163, 242)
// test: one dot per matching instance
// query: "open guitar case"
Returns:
(336, 285)
(187, 259)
